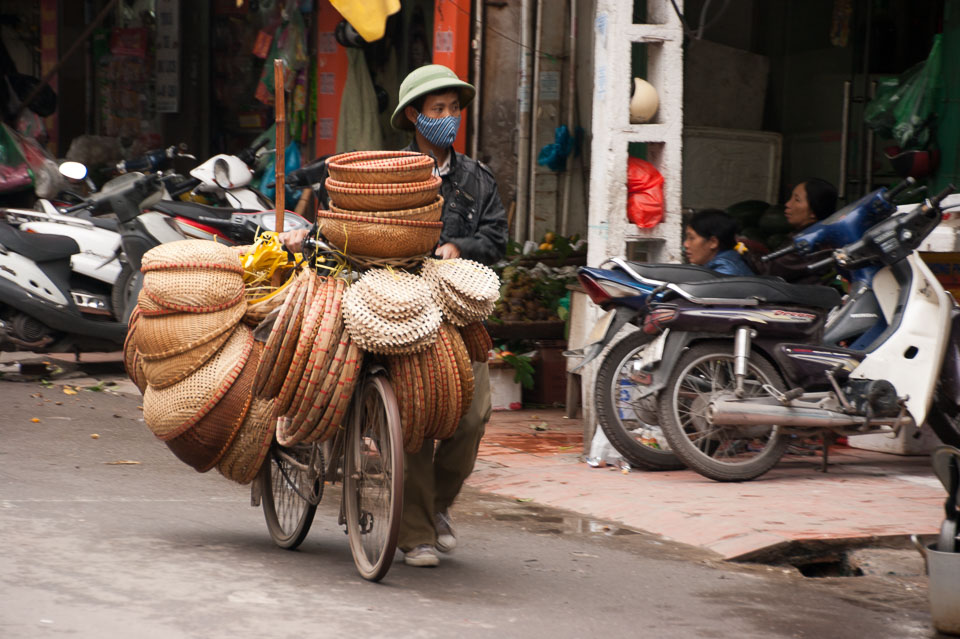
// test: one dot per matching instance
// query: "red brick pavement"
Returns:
(864, 494)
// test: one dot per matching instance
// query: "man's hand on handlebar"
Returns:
(293, 240)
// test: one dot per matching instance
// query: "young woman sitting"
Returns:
(709, 240)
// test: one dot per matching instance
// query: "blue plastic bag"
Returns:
(554, 156)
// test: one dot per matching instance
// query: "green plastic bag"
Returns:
(904, 107)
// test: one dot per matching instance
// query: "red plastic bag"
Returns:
(644, 193)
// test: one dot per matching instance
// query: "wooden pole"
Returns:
(280, 118)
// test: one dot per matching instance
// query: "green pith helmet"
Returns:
(426, 80)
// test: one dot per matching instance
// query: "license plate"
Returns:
(652, 353)
(599, 330)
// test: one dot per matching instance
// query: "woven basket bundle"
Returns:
(278, 351)
(205, 443)
(258, 310)
(466, 291)
(170, 411)
(246, 454)
(162, 336)
(477, 340)
(383, 197)
(380, 167)
(434, 389)
(390, 313)
(430, 213)
(160, 373)
(378, 236)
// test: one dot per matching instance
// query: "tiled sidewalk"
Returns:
(864, 494)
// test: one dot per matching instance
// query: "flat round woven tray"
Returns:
(132, 362)
(383, 197)
(429, 213)
(375, 334)
(194, 290)
(313, 308)
(378, 237)
(431, 391)
(394, 294)
(380, 167)
(191, 254)
(477, 340)
(321, 356)
(308, 423)
(333, 417)
(291, 336)
(203, 445)
(161, 373)
(246, 454)
(163, 336)
(278, 332)
(465, 290)
(464, 367)
(449, 365)
(170, 411)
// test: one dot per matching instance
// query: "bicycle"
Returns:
(365, 455)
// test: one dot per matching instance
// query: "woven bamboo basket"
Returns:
(383, 197)
(246, 454)
(205, 443)
(377, 237)
(202, 254)
(477, 340)
(170, 411)
(464, 365)
(380, 167)
(163, 336)
(132, 362)
(167, 371)
(429, 213)
(194, 290)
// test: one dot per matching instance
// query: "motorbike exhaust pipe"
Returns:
(751, 413)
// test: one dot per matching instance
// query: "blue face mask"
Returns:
(439, 131)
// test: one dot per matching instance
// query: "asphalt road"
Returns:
(92, 548)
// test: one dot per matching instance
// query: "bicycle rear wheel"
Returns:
(291, 485)
(373, 478)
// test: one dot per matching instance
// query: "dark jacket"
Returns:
(473, 215)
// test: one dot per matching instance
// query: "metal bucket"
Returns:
(944, 571)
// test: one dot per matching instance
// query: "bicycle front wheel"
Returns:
(373, 478)
(291, 485)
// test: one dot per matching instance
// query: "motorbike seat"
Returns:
(36, 246)
(674, 272)
(196, 211)
(767, 290)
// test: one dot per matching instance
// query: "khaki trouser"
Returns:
(432, 478)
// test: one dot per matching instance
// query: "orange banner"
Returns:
(451, 47)
(331, 77)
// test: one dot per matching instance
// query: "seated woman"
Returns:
(811, 201)
(709, 240)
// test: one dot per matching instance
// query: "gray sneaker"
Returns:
(446, 535)
(423, 556)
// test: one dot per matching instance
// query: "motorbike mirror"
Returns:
(73, 171)
(221, 174)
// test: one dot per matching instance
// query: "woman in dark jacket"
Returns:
(811, 201)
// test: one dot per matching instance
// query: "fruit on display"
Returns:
(533, 294)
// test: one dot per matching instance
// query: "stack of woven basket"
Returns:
(309, 365)
(195, 361)
(398, 314)
(385, 204)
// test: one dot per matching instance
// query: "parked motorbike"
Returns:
(39, 310)
(625, 391)
(728, 404)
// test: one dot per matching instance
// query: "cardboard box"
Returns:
(505, 394)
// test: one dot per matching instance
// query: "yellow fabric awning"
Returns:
(368, 17)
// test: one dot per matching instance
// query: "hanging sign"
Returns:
(167, 64)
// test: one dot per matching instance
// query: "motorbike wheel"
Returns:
(721, 453)
(124, 294)
(630, 425)
(944, 419)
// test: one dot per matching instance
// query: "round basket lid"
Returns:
(163, 336)
(194, 290)
(170, 411)
(191, 254)
(246, 454)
